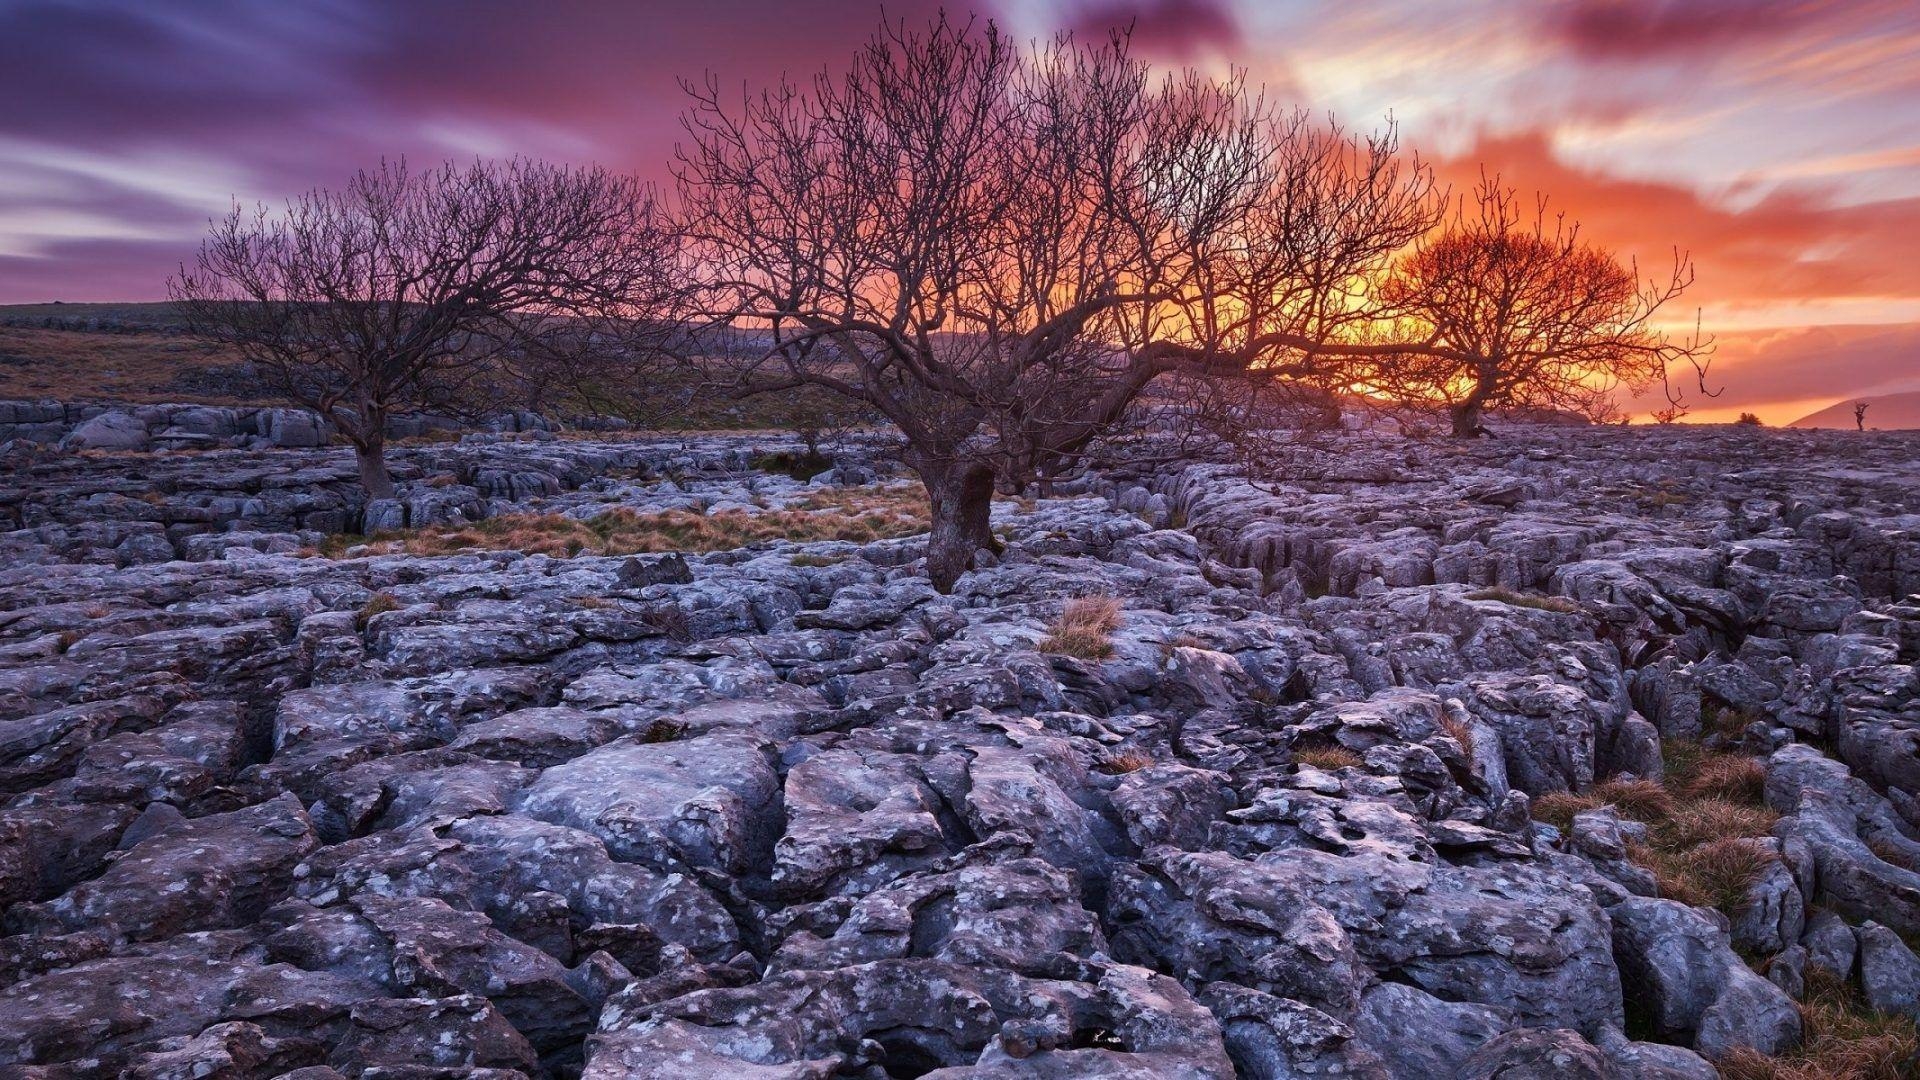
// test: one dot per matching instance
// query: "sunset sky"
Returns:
(1778, 141)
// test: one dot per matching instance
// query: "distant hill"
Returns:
(1887, 412)
(106, 318)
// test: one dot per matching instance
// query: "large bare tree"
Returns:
(998, 248)
(1504, 308)
(406, 291)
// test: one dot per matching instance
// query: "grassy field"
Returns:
(70, 365)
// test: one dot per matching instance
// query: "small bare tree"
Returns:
(1503, 309)
(999, 249)
(1860, 415)
(406, 291)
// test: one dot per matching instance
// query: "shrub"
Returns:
(1748, 419)
(1843, 1039)
(1526, 600)
(1084, 629)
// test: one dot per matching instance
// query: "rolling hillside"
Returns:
(1886, 412)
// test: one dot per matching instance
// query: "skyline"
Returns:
(1778, 142)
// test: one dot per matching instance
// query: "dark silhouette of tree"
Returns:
(1860, 415)
(1502, 309)
(1748, 419)
(997, 249)
(407, 291)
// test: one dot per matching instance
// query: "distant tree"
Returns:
(1748, 419)
(1502, 309)
(999, 249)
(408, 291)
(1860, 415)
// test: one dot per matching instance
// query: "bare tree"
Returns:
(998, 249)
(406, 291)
(1860, 415)
(1502, 309)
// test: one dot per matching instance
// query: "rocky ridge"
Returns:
(784, 811)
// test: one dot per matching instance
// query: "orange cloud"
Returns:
(1792, 244)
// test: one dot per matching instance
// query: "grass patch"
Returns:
(1084, 629)
(860, 515)
(1844, 1040)
(1537, 601)
(1698, 822)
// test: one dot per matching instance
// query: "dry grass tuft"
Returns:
(1635, 800)
(1844, 1040)
(1085, 628)
(1726, 776)
(1699, 821)
(1125, 761)
(381, 602)
(1514, 598)
(1459, 731)
(1714, 874)
(857, 515)
(1327, 758)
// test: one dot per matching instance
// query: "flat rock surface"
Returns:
(785, 811)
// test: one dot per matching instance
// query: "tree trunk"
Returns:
(374, 477)
(1466, 420)
(962, 498)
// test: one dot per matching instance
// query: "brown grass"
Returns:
(1084, 629)
(381, 602)
(859, 515)
(1844, 1040)
(1125, 761)
(1514, 598)
(1635, 800)
(1726, 776)
(1715, 874)
(1328, 758)
(1459, 731)
(1697, 821)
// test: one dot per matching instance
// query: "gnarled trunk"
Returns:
(1466, 420)
(374, 478)
(961, 495)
